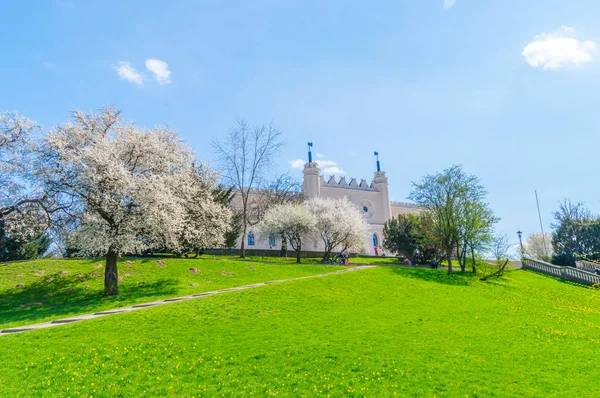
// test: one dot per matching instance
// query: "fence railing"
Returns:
(586, 265)
(578, 275)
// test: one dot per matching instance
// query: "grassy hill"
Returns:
(43, 290)
(377, 332)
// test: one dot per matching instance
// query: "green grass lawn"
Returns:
(354, 260)
(53, 289)
(376, 332)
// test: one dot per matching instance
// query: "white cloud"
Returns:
(326, 163)
(127, 72)
(320, 156)
(297, 164)
(160, 70)
(333, 170)
(326, 166)
(48, 65)
(449, 3)
(558, 50)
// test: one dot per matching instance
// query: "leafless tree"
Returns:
(500, 248)
(244, 156)
(278, 190)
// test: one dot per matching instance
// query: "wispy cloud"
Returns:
(160, 70)
(129, 73)
(449, 3)
(326, 166)
(558, 50)
(48, 65)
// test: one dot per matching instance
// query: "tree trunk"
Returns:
(298, 253)
(473, 259)
(111, 274)
(459, 257)
(283, 251)
(327, 255)
(449, 256)
(243, 245)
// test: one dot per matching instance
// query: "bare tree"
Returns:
(244, 156)
(500, 247)
(278, 190)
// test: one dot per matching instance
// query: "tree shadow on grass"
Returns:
(439, 275)
(57, 296)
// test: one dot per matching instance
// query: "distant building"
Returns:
(371, 198)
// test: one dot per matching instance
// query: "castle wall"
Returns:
(372, 199)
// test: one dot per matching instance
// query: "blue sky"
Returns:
(509, 89)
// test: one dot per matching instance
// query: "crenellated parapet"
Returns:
(405, 205)
(343, 183)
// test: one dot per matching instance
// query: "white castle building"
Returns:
(372, 198)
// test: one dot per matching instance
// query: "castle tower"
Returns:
(311, 186)
(380, 183)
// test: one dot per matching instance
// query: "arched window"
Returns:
(375, 240)
(250, 238)
(271, 240)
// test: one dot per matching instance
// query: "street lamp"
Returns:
(520, 240)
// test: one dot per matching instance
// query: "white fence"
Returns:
(578, 275)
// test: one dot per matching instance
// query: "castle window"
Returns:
(365, 209)
(375, 240)
(271, 240)
(250, 238)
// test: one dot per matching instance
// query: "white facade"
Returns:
(373, 199)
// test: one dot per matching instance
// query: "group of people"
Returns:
(379, 251)
(342, 257)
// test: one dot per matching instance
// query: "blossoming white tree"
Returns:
(292, 220)
(130, 187)
(24, 207)
(539, 246)
(205, 220)
(340, 224)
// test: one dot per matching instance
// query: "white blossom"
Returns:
(134, 188)
(292, 220)
(340, 224)
(22, 214)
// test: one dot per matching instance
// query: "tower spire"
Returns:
(309, 152)
(377, 157)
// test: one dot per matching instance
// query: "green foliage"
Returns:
(14, 248)
(461, 219)
(411, 236)
(401, 236)
(224, 196)
(380, 332)
(576, 234)
(234, 231)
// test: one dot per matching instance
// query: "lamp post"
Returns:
(520, 241)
